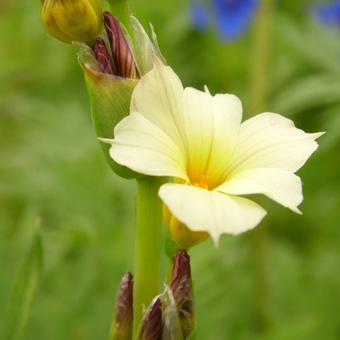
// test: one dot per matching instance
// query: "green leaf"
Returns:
(24, 291)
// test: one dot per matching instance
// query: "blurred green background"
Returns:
(54, 176)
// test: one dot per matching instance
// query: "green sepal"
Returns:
(110, 98)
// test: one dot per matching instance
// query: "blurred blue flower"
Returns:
(328, 14)
(230, 17)
(199, 16)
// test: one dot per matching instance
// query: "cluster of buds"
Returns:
(82, 21)
(112, 64)
(169, 316)
(110, 71)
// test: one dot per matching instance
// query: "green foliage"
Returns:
(25, 289)
(52, 168)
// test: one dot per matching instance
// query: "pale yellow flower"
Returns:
(199, 141)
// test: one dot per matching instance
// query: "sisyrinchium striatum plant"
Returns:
(189, 151)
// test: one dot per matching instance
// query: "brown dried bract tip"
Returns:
(121, 52)
(103, 57)
(124, 306)
(181, 274)
(152, 328)
(181, 287)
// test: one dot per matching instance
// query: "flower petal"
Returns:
(158, 96)
(270, 140)
(211, 124)
(143, 147)
(279, 185)
(211, 211)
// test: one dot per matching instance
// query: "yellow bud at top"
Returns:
(73, 20)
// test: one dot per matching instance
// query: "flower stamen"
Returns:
(203, 182)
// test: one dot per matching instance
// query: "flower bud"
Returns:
(152, 327)
(121, 328)
(121, 52)
(109, 96)
(181, 287)
(73, 20)
(102, 56)
(171, 315)
(112, 68)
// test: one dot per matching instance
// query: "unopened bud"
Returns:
(152, 327)
(121, 328)
(181, 287)
(110, 94)
(102, 56)
(122, 55)
(73, 20)
(110, 98)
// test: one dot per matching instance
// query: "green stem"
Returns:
(259, 91)
(149, 244)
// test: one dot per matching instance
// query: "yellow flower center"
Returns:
(203, 182)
